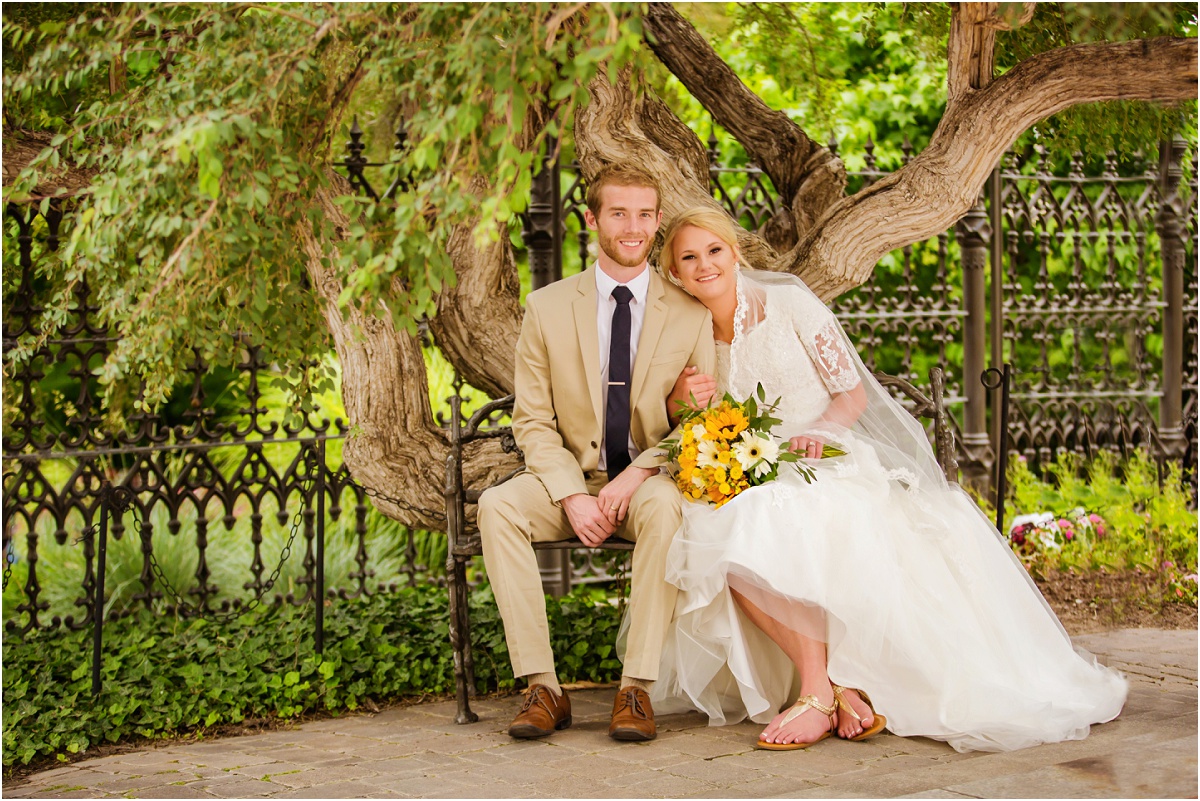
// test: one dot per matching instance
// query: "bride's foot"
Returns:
(810, 720)
(860, 721)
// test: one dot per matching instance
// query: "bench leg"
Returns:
(465, 627)
(460, 640)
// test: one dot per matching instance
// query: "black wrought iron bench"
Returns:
(464, 543)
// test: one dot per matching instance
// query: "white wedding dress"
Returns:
(925, 608)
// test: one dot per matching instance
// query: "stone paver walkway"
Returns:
(418, 752)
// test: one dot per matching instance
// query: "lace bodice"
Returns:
(788, 341)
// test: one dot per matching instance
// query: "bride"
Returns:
(878, 594)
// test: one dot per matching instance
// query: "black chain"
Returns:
(238, 611)
(191, 609)
(371, 492)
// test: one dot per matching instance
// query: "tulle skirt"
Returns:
(920, 603)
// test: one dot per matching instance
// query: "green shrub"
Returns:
(164, 677)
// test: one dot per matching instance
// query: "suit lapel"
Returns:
(584, 309)
(652, 327)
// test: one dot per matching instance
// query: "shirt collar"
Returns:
(639, 286)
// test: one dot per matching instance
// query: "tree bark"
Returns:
(479, 319)
(970, 51)
(22, 147)
(808, 178)
(397, 448)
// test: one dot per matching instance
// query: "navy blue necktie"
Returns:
(616, 412)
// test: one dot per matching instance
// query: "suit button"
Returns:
(594, 445)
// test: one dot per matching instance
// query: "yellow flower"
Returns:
(727, 422)
(735, 471)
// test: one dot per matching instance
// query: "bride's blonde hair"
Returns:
(714, 221)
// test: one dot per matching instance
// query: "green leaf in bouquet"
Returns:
(830, 451)
(807, 473)
(762, 393)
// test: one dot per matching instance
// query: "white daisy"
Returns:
(756, 454)
(707, 454)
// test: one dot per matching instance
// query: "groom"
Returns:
(598, 354)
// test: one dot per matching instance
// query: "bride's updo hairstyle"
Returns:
(715, 221)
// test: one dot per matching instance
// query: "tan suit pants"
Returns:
(519, 512)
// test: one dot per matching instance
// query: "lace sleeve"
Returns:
(822, 336)
(833, 362)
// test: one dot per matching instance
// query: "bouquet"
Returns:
(726, 449)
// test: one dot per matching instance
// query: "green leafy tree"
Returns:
(193, 144)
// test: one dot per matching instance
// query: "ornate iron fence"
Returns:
(1090, 284)
(218, 470)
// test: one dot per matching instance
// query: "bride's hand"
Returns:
(691, 383)
(807, 446)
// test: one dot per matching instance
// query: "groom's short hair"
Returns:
(620, 175)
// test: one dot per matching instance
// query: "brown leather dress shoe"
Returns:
(542, 713)
(632, 716)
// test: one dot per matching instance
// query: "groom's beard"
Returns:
(612, 248)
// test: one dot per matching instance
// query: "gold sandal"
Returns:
(839, 700)
(802, 705)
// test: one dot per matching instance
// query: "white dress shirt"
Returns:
(605, 306)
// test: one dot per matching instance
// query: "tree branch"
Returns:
(970, 51)
(805, 174)
(936, 188)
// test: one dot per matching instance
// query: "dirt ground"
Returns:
(1099, 601)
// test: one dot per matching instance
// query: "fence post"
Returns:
(319, 485)
(997, 378)
(543, 233)
(973, 233)
(98, 598)
(1170, 231)
(543, 228)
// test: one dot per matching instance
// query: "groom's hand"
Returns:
(587, 520)
(691, 383)
(614, 498)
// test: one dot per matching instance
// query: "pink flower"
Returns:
(1100, 531)
(1018, 536)
(1064, 523)
(1021, 458)
(1069, 534)
(1168, 565)
(1095, 519)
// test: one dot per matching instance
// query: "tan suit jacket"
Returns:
(558, 417)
